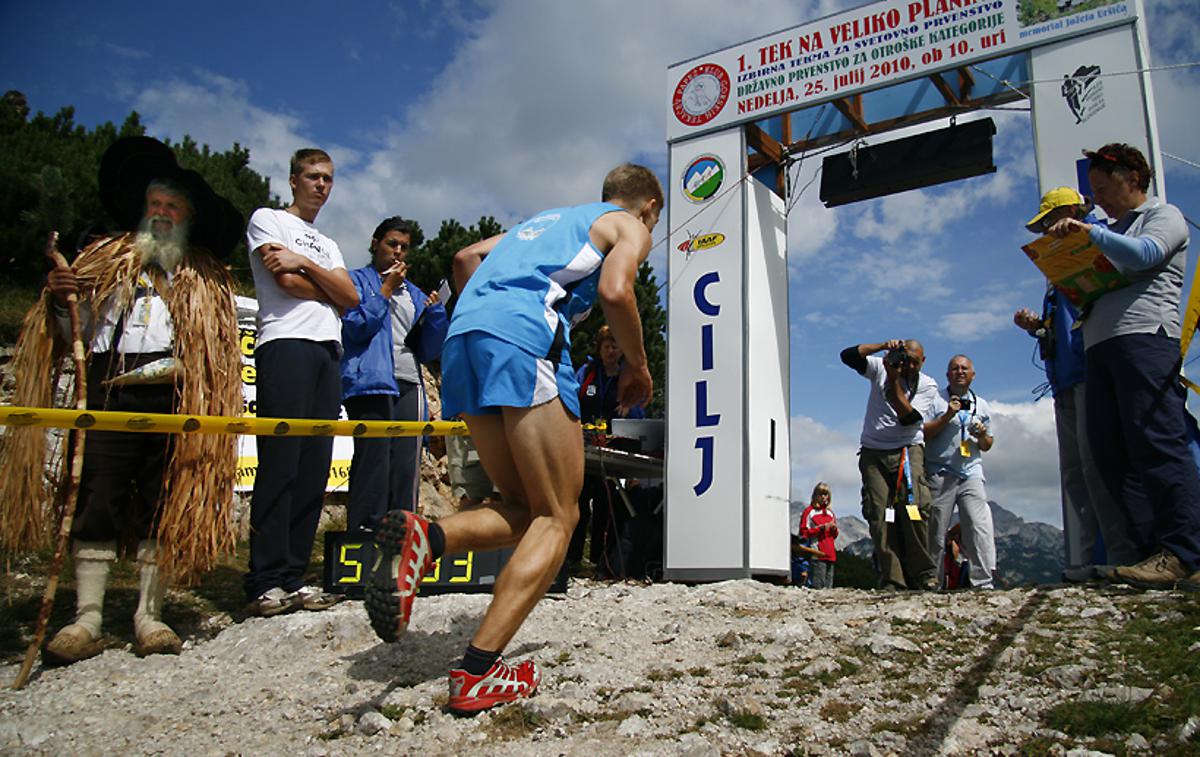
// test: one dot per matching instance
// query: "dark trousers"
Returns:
(296, 379)
(1135, 407)
(601, 511)
(902, 557)
(123, 473)
(383, 473)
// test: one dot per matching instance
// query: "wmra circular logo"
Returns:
(703, 177)
(534, 227)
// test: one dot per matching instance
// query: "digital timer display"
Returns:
(349, 558)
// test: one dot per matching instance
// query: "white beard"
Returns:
(166, 250)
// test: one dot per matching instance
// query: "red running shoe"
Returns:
(502, 683)
(404, 559)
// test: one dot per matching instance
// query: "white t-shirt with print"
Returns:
(881, 427)
(280, 315)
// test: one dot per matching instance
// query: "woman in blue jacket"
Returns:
(381, 373)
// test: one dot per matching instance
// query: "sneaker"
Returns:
(502, 683)
(315, 598)
(1162, 571)
(404, 559)
(274, 601)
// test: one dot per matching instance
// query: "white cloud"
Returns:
(1173, 40)
(130, 53)
(1022, 467)
(498, 131)
(981, 314)
(820, 453)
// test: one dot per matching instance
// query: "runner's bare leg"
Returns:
(535, 458)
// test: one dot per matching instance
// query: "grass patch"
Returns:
(752, 659)
(750, 721)
(838, 712)
(798, 685)
(393, 711)
(670, 674)
(1095, 718)
(1153, 647)
(902, 727)
(513, 722)
(699, 672)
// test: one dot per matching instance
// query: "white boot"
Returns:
(153, 636)
(81, 639)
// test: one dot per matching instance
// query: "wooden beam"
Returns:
(764, 143)
(910, 119)
(785, 136)
(944, 88)
(757, 161)
(851, 108)
(966, 82)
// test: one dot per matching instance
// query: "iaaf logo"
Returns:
(1084, 92)
(698, 242)
(701, 94)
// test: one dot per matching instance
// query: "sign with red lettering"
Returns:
(864, 48)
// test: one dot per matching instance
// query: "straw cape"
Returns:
(195, 517)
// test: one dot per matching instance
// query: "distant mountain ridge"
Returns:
(1027, 552)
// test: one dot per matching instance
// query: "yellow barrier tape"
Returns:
(166, 423)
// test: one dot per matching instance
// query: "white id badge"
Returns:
(889, 515)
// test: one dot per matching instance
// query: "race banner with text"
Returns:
(864, 48)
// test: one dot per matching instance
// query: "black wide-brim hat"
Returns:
(128, 167)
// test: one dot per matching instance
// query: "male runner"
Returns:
(507, 370)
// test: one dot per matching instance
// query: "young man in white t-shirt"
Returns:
(303, 288)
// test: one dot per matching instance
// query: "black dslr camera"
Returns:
(964, 403)
(897, 357)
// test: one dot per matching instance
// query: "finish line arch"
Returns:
(732, 120)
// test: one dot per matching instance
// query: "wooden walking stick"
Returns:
(71, 494)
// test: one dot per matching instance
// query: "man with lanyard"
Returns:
(1088, 509)
(955, 438)
(895, 500)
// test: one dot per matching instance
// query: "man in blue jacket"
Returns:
(394, 329)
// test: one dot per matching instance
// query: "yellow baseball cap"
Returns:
(1057, 198)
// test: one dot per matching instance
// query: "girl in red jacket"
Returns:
(818, 528)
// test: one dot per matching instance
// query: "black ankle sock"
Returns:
(477, 662)
(437, 540)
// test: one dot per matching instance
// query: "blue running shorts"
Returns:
(482, 373)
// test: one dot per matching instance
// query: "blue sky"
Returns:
(439, 110)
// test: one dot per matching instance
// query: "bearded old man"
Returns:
(157, 314)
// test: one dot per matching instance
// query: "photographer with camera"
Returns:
(895, 499)
(956, 436)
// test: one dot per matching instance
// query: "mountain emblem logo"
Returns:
(701, 94)
(702, 178)
(535, 227)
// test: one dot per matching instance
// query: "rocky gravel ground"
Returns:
(738, 667)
